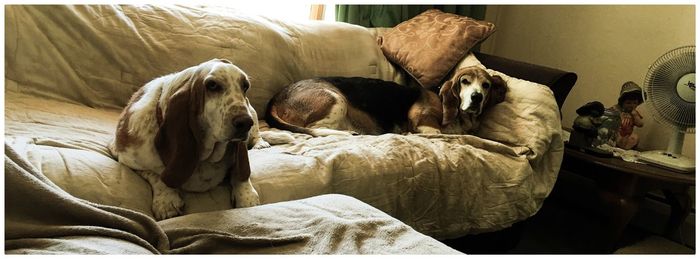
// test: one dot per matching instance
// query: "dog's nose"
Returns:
(477, 97)
(242, 123)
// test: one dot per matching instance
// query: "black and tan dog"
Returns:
(354, 105)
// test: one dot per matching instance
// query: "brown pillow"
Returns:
(430, 44)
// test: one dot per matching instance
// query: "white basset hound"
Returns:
(188, 130)
(346, 106)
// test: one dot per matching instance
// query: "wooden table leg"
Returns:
(620, 211)
(681, 203)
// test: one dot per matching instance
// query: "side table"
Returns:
(621, 187)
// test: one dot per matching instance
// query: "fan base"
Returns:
(680, 163)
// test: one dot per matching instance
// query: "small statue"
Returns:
(629, 117)
(586, 124)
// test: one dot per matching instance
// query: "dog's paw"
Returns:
(245, 201)
(167, 204)
(322, 132)
(277, 137)
(261, 144)
(428, 130)
(244, 195)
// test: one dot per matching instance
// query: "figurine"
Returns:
(586, 124)
(629, 117)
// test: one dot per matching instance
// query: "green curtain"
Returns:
(391, 15)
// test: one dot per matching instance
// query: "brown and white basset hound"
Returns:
(346, 106)
(187, 131)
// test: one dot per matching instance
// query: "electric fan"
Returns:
(670, 89)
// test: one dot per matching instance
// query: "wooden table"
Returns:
(623, 185)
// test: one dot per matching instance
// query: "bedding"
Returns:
(65, 86)
(41, 218)
(443, 185)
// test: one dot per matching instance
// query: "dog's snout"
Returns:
(477, 97)
(242, 123)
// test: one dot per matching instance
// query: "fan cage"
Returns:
(660, 89)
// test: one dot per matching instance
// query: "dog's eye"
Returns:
(213, 86)
(486, 85)
(464, 81)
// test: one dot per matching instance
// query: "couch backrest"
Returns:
(100, 55)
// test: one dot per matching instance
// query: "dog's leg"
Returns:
(243, 194)
(322, 132)
(166, 201)
(254, 139)
(335, 123)
(427, 130)
(425, 114)
(276, 137)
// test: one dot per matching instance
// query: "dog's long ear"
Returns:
(497, 93)
(240, 170)
(179, 138)
(450, 101)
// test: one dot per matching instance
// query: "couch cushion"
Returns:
(100, 55)
(72, 152)
(430, 44)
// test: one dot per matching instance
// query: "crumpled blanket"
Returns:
(444, 186)
(41, 218)
(57, 102)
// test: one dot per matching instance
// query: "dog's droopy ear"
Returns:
(240, 170)
(179, 138)
(497, 93)
(450, 102)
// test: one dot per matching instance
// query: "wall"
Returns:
(604, 45)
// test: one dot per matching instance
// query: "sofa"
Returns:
(71, 69)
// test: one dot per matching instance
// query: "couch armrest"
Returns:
(559, 81)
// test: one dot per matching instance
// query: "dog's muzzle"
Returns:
(475, 103)
(241, 126)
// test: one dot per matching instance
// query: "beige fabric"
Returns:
(62, 60)
(443, 185)
(41, 218)
(327, 224)
(429, 45)
(100, 55)
(39, 214)
(72, 150)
